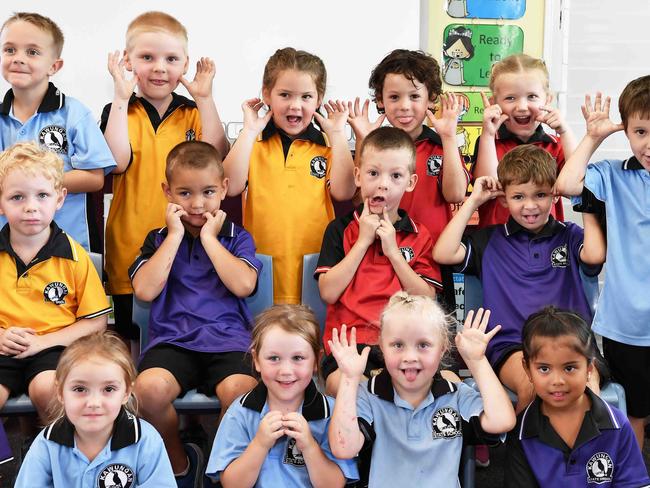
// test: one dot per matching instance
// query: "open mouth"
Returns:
(294, 119)
(558, 395)
(158, 82)
(405, 120)
(525, 120)
(410, 373)
(530, 219)
(286, 384)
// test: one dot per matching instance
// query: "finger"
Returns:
(319, 118)
(598, 102)
(385, 214)
(486, 102)
(343, 337)
(366, 207)
(608, 101)
(468, 319)
(184, 81)
(366, 106)
(380, 120)
(493, 332)
(502, 119)
(353, 337)
(365, 352)
(431, 115)
(485, 320)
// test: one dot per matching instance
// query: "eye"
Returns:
(184, 193)
(78, 389)
(307, 96)
(542, 195)
(396, 176)
(110, 389)
(284, 94)
(397, 345)
(209, 192)
(517, 197)
(147, 57)
(509, 98)
(543, 369)
(43, 195)
(533, 96)
(415, 96)
(570, 369)
(273, 359)
(16, 198)
(9, 50)
(640, 132)
(172, 59)
(393, 97)
(372, 172)
(298, 357)
(33, 52)
(424, 345)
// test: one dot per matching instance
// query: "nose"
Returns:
(159, 64)
(285, 367)
(294, 103)
(557, 378)
(384, 182)
(197, 202)
(30, 205)
(93, 400)
(522, 104)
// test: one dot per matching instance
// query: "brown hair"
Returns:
(635, 100)
(414, 65)
(44, 23)
(519, 63)
(386, 138)
(32, 160)
(525, 163)
(289, 58)
(155, 22)
(104, 345)
(193, 154)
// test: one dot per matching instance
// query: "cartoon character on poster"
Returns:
(457, 8)
(457, 48)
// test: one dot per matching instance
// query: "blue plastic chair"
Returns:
(310, 293)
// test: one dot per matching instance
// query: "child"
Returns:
(531, 261)
(513, 116)
(197, 271)
(276, 434)
(623, 311)
(94, 438)
(292, 170)
(50, 293)
(568, 436)
(375, 250)
(35, 110)
(416, 418)
(141, 130)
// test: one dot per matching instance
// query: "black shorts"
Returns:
(192, 369)
(16, 374)
(123, 313)
(373, 366)
(630, 366)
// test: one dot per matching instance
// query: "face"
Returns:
(529, 204)
(294, 99)
(28, 56)
(520, 96)
(29, 203)
(383, 177)
(405, 102)
(198, 191)
(92, 395)
(286, 363)
(412, 351)
(558, 372)
(159, 60)
(638, 133)
(457, 50)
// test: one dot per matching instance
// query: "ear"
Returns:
(357, 176)
(555, 199)
(127, 394)
(224, 188)
(549, 98)
(61, 198)
(187, 64)
(502, 201)
(127, 61)
(256, 362)
(524, 363)
(266, 96)
(167, 191)
(413, 179)
(56, 66)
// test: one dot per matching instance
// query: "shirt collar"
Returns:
(53, 100)
(152, 112)
(404, 222)
(227, 230)
(381, 385)
(126, 431)
(429, 134)
(632, 163)
(311, 133)
(314, 406)
(551, 228)
(540, 135)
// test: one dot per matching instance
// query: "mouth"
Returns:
(558, 395)
(410, 373)
(404, 119)
(522, 120)
(294, 120)
(530, 219)
(286, 384)
(158, 82)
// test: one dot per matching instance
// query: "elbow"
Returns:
(329, 297)
(246, 286)
(142, 292)
(340, 451)
(342, 194)
(456, 195)
(97, 183)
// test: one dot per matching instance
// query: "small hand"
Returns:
(16, 340)
(599, 125)
(446, 125)
(351, 364)
(359, 120)
(36, 344)
(472, 341)
(493, 117)
(337, 116)
(368, 225)
(173, 219)
(485, 188)
(213, 223)
(201, 85)
(252, 121)
(296, 426)
(387, 235)
(552, 117)
(270, 429)
(123, 87)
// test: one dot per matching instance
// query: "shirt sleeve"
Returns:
(91, 297)
(517, 472)
(36, 469)
(630, 471)
(576, 243)
(154, 469)
(231, 440)
(89, 148)
(424, 265)
(475, 245)
(147, 250)
(244, 248)
(597, 178)
(331, 251)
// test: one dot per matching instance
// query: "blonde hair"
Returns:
(294, 319)
(289, 58)
(519, 63)
(32, 160)
(155, 22)
(44, 23)
(104, 345)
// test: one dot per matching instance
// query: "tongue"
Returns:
(410, 374)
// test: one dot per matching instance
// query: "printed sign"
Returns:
(486, 9)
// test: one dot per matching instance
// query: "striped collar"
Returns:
(314, 406)
(381, 385)
(53, 100)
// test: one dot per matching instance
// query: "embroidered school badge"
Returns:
(55, 292)
(116, 476)
(292, 454)
(446, 424)
(600, 468)
(318, 166)
(560, 257)
(408, 253)
(434, 163)
(54, 138)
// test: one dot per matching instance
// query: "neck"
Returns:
(160, 105)
(285, 406)
(27, 247)
(92, 444)
(26, 102)
(414, 398)
(579, 407)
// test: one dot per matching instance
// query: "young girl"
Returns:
(292, 170)
(276, 434)
(568, 436)
(94, 438)
(408, 408)
(514, 115)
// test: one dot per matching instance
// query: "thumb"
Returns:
(365, 353)
(380, 120)
(184, 81)
(319, 118)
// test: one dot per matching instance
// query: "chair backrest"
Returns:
(310, 292)
(473, 293)
(96, 258)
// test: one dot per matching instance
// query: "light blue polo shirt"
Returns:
(134, 456)
(623, 310)
(284, 464)
(421, 446)
(67, 127)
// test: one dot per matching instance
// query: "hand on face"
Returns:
(493, 117)
(387, 235)
(213, 223)
(485, 188)
(252, 120)
(173, 219)
(368, 225)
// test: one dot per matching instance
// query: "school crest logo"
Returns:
(190, 135)
(54, 138)
(408, 253)
(600, 468)
(434, 163)
(292, 454)
(318, 166)
(446, 424)
(560, 257)
(55, 292)
(116, 476)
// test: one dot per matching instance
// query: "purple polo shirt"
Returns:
(605, 453)
(523, 272)
(195, 310)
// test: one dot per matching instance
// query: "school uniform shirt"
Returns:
(66, 127)
(492, 212)
(605, 453)
(284, 464)
(425, 203)
(134, 456)
(57, 288)
(195, 310)
(418, 446)
(287, 204)
(139, 203)
(623, 311)
(375, 280)
(523, 272)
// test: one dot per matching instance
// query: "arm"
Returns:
(571, 179)
(83, 180)
(448, 249)
(236, 164)
(498, 415)
(200, 89)
(594, 245)
(345, 437)
(486, 159)
(555, 120)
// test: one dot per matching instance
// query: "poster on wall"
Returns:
(486, 9)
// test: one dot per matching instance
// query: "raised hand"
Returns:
(337, 116)
(124, 87)
(270, 429)
(359, 120)
(173, 219)
(252, 121)
(493, 117)
(213, 223)
(485, 188)
(296, 426)
(387, 235)
(351, 364)
(368, 225)
(446, 125)
(599, 125)
(201, 85)
(472, 341)
(552, 117)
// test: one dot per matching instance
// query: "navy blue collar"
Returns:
(53, 100)
(540, 135)
(551, 228)
(314, 406)
(381, 385)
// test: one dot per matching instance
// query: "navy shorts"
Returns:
(16, 374)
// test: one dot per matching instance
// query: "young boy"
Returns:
(50, 293)
(377, 249)
(35, 110)
(531, 261)
(623, 311)
(197, 271)
(141, 130)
